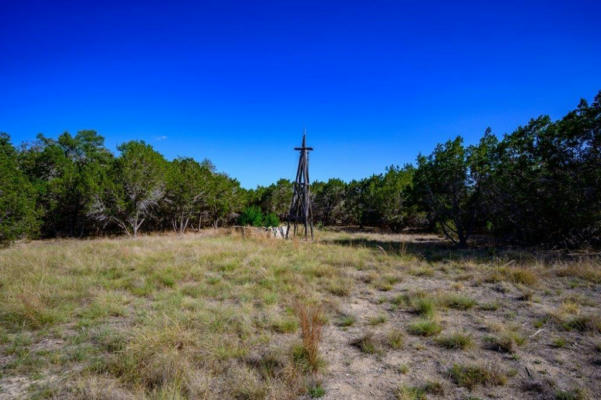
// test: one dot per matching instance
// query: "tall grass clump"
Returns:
(311, 322)
(457, 301)
(424, 327)
(469, 376)
(455, 341)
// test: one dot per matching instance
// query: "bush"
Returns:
(18, 214)
(254, 216)
(251, 216)
(271, 220)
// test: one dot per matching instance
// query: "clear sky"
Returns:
(374, 82)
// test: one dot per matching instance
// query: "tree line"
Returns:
(540, 184)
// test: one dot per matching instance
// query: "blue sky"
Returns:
(374, 83)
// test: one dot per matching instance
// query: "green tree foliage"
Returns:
(137, 186)
(329, 201)
(540, 184)
(187, 192)
(18, 214)
(443, 187)
(381, 200)
(274, 198)
(67, 174)
(390, 196)
(225, 199)
(253, 216)
(271, 220)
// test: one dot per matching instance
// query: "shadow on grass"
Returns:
(436, 250)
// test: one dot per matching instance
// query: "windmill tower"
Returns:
(300, 207)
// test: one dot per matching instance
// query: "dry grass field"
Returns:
(350, 316)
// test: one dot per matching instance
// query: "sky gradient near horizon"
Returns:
(374, 83)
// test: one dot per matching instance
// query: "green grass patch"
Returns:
(367, 344)
(395, 339)
(377, 319)
(470, 376)
(458, 302)
(346, 320)
(455, 341)
(424, 327)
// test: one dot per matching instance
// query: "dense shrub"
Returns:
(253, 216)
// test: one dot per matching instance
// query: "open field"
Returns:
(212, 316)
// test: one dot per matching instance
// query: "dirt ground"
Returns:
(86, 319)
(538, 369)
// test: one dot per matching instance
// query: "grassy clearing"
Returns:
(168, 314)
(215, 316)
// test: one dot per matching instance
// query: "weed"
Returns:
(574, 394)
(434, 388)
(424, 306)
(559, 343)
(424, 327)
(540, 322)
(505, 342)
(458, 302)
(422, 271)
(346, 320)
(383, 285)
(316, 391)
(583, 323)
(284, 325)
(367, 344)
(419, 392)
(399, 300)
(588, 273)
(469, 376)
(377, 320)
(455, 341)
(410, 393)
(522, 275)
(489, 306)
(525, 296)
(311, 322)
(395, 339)
(339, 287)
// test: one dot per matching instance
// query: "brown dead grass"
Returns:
(212, 317)
(311, 320)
